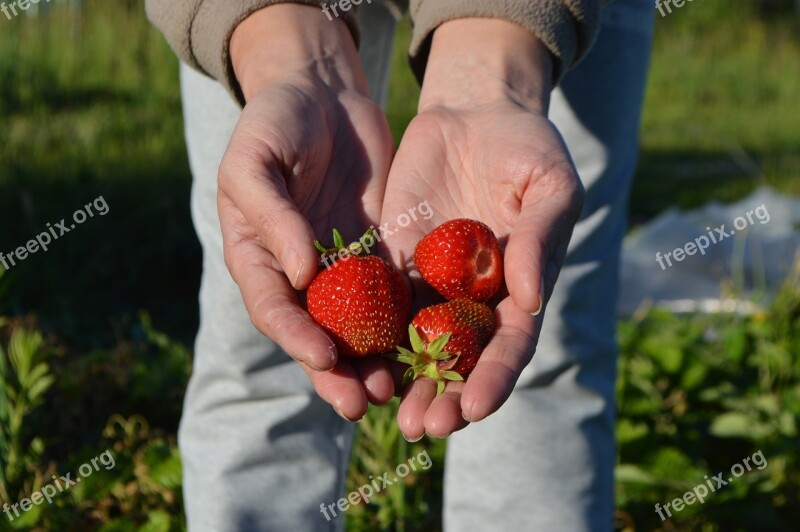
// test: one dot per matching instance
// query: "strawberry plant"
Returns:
(697, 394)
(24, 379)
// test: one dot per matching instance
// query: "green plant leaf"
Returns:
(338, 240)
(632, 473)
(37, 372)
(26, 520)
(451, 376)
(437, 345)
(417, 344)
(628, 431)
(157, 521)
(408, 376)
(732, 425)
(39, 387)
(165, 466)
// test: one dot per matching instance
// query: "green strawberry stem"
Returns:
(357, 248)
(423, 360)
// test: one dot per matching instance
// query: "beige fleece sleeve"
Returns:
(199, 31)
(566, 27)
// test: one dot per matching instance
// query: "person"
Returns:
(287, 139)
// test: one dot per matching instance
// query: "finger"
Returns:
(413, 405)
(269, 299)
(444, 414)
(539, 238)
(376, 377)
(508, 353)
(254, 183)
(400, 244)
(341, 388)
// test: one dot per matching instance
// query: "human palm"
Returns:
(305, 157)
(507, 167)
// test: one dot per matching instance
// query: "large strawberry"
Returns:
(446, 341)
(361, 300)
(461, 258)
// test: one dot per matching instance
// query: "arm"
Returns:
(200, 31)
(310, 152)
(566, 28)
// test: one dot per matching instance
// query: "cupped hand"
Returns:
(495, 158)
(310, 153)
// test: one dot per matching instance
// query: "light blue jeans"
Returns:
(261, 451)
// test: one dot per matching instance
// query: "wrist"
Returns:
(474, 61)
(289, 40)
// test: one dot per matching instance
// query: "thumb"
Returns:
(538, 242)
(259, 191)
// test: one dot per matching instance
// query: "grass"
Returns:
(717, 120)
(89, 106)
(83, 116)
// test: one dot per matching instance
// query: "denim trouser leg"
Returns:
(545, 460)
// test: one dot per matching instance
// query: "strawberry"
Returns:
(461, 258)
(446, 341)
(361, 300)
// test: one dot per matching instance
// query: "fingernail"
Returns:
(331, 357)
(412, 441)
(317, 362)
(345, 417)
(541, 300)
(292, 263)
(467, 418)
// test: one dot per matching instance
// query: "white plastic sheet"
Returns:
(754, 260)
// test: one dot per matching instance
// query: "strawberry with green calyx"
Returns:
(424, 361)
(359, 299)
(446, 341)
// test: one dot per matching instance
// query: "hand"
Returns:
(482, 147)
(311, 152)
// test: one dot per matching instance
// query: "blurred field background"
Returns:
(95, 346)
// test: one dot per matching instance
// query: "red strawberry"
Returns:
(461, 258)
(362, 301)
(447, 340)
